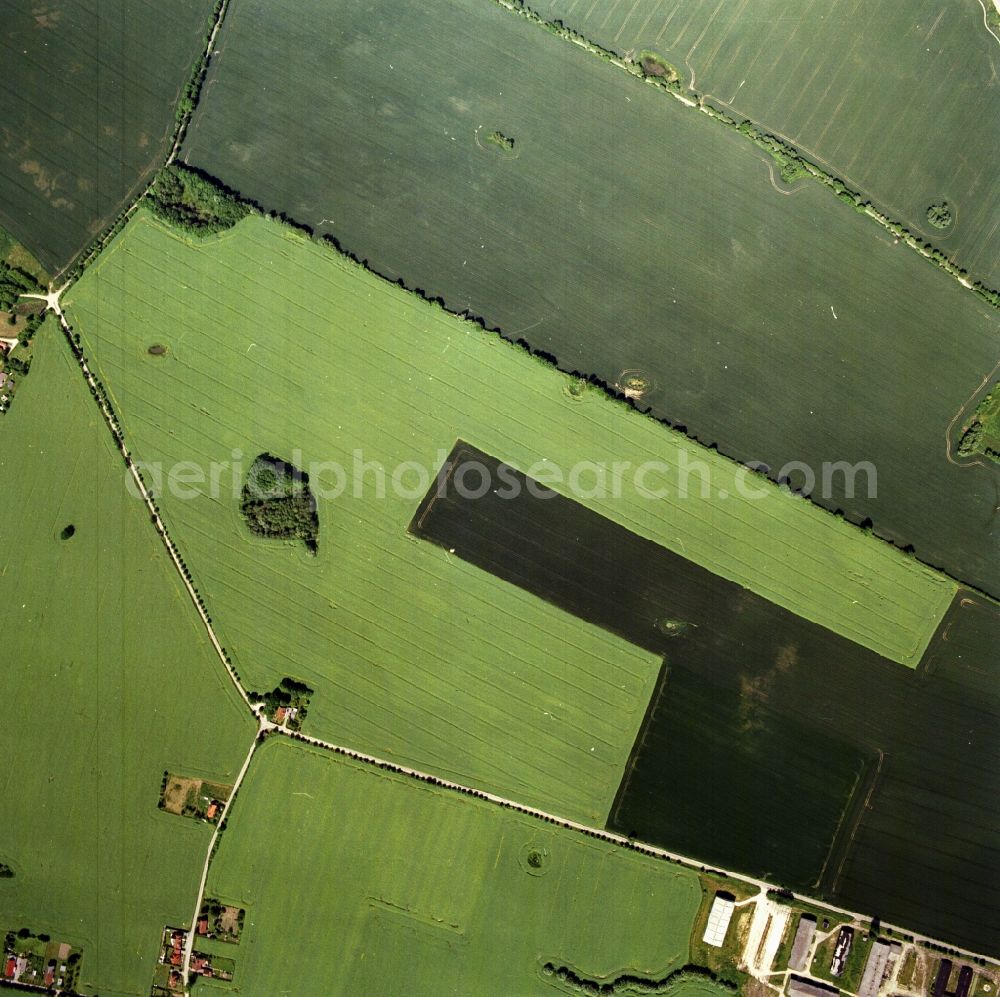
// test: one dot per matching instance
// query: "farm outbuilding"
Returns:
(804, 935)
(718, 919)
(878, 959)
(944, 976)
(842, 950)
(809, 988)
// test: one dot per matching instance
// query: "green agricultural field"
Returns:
(87, 106)
(622, 232)
(108, 680)
(358, 881)
(276, 344)
(900, 102)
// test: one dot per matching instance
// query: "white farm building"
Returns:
(718, 919)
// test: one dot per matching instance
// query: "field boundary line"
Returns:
(197, 80)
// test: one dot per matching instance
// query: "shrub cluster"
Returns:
(653, 64)
(504, 141)
(939, 215)
(977, 439)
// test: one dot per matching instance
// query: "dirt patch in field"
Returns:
(229, 920)
(177, 792)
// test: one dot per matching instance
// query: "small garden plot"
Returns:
(221, 921)
(212, 967)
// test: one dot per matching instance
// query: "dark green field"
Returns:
(924, 850)
(723, 778)
(782, 327)
(87, 106)
(772, 745)
(901, 101)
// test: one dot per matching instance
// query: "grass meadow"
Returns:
(621, 232)
(900, 104)
(109, 680)
(359, 881)
(88, 107)
(275, 344)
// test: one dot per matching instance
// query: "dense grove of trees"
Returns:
(939, 215)
(277, 502)
(194, 201)
(292, 516)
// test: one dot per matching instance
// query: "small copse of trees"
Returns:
(278, 503)
(505, 142)
(653, 64)
(195, 201)
(13, 283)
(940, 215)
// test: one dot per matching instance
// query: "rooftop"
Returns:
(718, 919)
